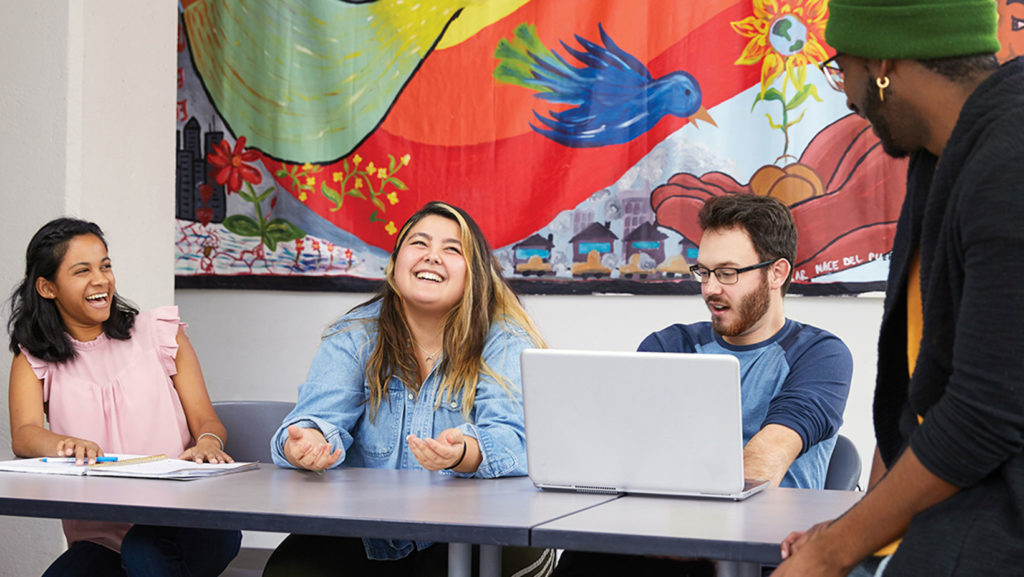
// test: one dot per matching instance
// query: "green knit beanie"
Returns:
(912, 29)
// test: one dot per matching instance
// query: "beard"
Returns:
(749, 310)
(881, 125)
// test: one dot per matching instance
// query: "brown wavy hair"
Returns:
(767, 221)
(487, 298)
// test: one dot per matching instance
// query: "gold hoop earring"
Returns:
(882, 84)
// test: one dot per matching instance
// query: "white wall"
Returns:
(34, 167)
(258, 344)
(87, 103)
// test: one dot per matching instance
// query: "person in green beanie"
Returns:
(947, 479)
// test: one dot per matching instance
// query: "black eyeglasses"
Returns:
(833, 73)
(724, 274)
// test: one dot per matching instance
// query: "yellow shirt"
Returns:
(915, 312)
(915, 324)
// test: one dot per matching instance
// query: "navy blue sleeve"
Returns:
(651, 344)
(672, 339)
(813, 397)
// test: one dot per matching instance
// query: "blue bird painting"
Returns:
(612, 97)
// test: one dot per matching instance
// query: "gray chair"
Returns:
(250, 425)
(843, 474)
(844, 466)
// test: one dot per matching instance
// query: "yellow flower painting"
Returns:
(785, 37)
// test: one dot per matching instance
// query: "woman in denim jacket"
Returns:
(425, 375)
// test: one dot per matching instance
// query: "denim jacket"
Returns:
(332, 399)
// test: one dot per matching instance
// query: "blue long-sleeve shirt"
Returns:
(798, 378)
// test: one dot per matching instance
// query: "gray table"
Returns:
(741, 535)
(426, 506)
(344, 502)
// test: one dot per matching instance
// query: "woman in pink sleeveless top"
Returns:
(108, 378)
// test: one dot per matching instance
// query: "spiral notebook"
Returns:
(630, 422)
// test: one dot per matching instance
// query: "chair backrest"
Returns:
(844, 466)
(250, 425)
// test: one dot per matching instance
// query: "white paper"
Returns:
(37, 465)
(163, 468)
(170, 469)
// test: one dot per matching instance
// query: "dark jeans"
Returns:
(152, 552)
(314, 555)
(581, 564)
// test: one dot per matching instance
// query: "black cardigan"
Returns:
(966, 213)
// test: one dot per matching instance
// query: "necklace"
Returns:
(431, 356)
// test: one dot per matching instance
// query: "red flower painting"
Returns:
(231, 165)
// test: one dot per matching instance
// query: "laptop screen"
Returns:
(632, 422)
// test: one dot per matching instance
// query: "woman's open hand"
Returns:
(308, 449)
(447, 451)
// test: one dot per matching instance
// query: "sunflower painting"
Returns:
(785, 36)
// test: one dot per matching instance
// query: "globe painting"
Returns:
(788, 35)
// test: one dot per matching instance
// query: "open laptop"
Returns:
(628, 422)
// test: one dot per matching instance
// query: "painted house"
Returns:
(645, 239)
(595, 237)
(535, 245)
(533, 256)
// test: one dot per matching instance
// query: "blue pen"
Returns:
(72, 459)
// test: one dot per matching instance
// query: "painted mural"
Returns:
(583, 136)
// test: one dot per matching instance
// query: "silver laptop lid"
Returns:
(659, 423)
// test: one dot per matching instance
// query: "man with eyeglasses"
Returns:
(948, 472)
(794, 378)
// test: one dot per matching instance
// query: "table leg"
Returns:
(490, 561)
(460, 560)
(738, 569)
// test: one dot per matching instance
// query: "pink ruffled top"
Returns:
(119, 395)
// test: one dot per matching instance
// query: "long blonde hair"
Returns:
(487, 298)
